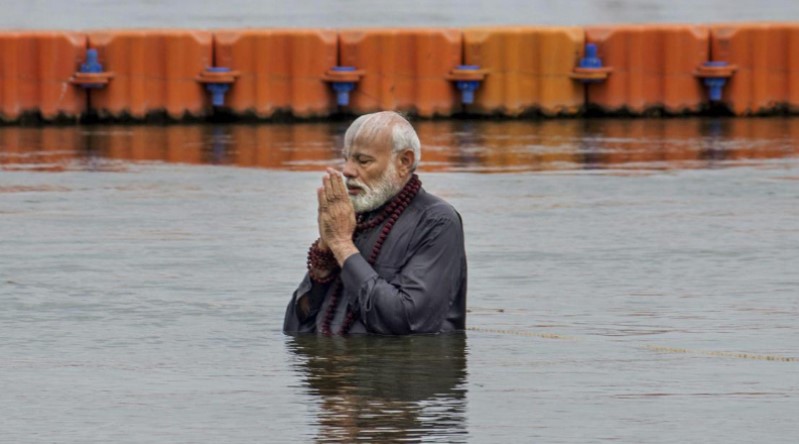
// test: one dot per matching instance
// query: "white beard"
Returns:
(371, 198)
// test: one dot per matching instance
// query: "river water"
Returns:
(95, 14)
(630, 280)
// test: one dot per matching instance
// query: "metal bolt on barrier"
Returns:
(467, 79)
(91, 74)
(217, 81)
(343, 80)
(589, 69)
(714, 75)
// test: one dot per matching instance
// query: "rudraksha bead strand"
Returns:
(330, 313)
(321, 260)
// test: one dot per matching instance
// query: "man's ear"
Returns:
(405, 162)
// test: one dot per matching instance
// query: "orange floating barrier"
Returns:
(652, 68)
(35, 73)
(403, 69)
(154, 71)
(528, 69)
(767, 78)
(281, 71)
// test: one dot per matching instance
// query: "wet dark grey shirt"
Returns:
(418, 283)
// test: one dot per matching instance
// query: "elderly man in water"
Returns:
(390, 257)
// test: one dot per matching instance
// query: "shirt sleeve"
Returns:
(417, 298)
(295, 320)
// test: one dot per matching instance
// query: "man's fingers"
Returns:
(327, 190)
(337, 183)
(326, 183)
(320, 196)
(334, 186)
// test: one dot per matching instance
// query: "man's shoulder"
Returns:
(431, 206)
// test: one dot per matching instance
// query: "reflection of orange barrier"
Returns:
(768, 68)
(173, 144)
(647, 143)
(528, 69)
(653, 67)
(472, 145)
(524, 146)
(281, 70)
(692, 143)
(488, 146)
(405, 70)
(35, 68)
(762, 138)
(441, 140)
(154, 71)
(295, 147)
(40, 149)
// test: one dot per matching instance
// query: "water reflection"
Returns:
(453, 145)
(385, 389)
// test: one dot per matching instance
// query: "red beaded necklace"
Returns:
(392, 212)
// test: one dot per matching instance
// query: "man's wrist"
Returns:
(321, 263)
(322, 275)
(342, 251)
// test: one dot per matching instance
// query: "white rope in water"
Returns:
(655, 348)
(721, 354)
(520, 333)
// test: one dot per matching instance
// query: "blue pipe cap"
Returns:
(590, 60)
(467, 87)
(715, 84)
(217, 90)
(343, 89)
(92, 64)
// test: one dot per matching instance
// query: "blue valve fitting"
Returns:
(92, 63)
(467, 79)
(467, 87)
(589, 68)
(91, 66)
(590, 60)
(217, 90)
(715, 84)
(343, 89)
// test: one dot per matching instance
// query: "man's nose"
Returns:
(349, 170)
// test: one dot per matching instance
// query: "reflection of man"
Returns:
(390, 257)
(385, 389)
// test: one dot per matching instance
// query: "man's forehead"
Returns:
(375, 142)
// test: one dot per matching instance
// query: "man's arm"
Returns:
(336, 220)
(304, 305)
(418, 298)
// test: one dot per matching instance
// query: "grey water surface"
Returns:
(630, 281)
(99, 14)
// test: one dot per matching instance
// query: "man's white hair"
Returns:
(369, 126)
